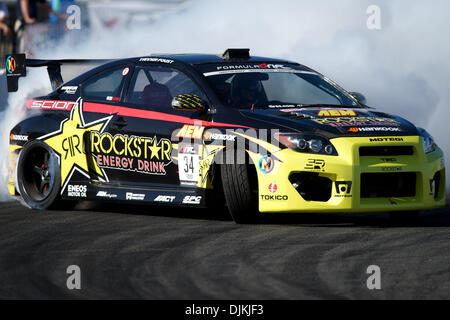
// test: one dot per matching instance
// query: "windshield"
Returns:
(276, 88)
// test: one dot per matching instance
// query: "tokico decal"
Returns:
(272, 197)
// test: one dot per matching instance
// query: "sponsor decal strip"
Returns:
(215, 73)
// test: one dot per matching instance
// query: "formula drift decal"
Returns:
(69, 145)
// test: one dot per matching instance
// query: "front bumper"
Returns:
(355, 181)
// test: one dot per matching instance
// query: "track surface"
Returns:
(154, 253)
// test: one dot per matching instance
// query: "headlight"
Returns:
(428, 142)
(307, 143)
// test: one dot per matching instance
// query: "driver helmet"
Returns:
(246, 90)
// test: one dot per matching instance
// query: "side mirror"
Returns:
(189, 102)
(359, 96)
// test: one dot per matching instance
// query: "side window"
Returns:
(106, 85)
(155, 86)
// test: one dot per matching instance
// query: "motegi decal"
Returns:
(123, 152)
(386, 140)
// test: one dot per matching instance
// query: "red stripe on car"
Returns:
(124, 111)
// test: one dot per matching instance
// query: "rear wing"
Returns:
(17, 64)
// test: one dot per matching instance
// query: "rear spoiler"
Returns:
(17, 64)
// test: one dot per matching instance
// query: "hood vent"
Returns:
(382, 114)
(295, 115)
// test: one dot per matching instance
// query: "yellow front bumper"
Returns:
(278, 194)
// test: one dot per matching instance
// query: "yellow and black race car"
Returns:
(252, 133)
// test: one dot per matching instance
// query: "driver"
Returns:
(247, 91)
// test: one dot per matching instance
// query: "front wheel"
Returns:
(38, 175)
(241, 194)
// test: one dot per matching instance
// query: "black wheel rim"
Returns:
(38, 174)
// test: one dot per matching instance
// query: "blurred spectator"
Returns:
(27, 14)
(27, 10)
(4, 15)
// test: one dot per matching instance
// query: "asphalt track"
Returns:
(127, 252)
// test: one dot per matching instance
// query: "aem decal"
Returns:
(336, 113)
(191, 132)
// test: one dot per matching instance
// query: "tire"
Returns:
(239, 189)
(38, 177)
(215, 198)
(404, 217)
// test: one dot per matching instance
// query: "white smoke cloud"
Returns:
(10, 116)
(402, 68)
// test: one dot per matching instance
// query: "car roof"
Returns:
(195, 59)
(191, 59)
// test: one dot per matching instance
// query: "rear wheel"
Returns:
(38, 175)
(241, 192)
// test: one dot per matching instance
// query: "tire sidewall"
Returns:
(20, 171)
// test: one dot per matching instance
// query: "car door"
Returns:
(101, 97)
(148, 123)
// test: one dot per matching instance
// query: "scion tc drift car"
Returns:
(252, 133)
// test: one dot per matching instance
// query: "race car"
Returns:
(249, 133)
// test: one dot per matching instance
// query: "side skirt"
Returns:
(165, 195)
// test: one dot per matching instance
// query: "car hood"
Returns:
(332, 122)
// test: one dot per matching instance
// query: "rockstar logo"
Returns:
(69, 144)
(154, 149)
